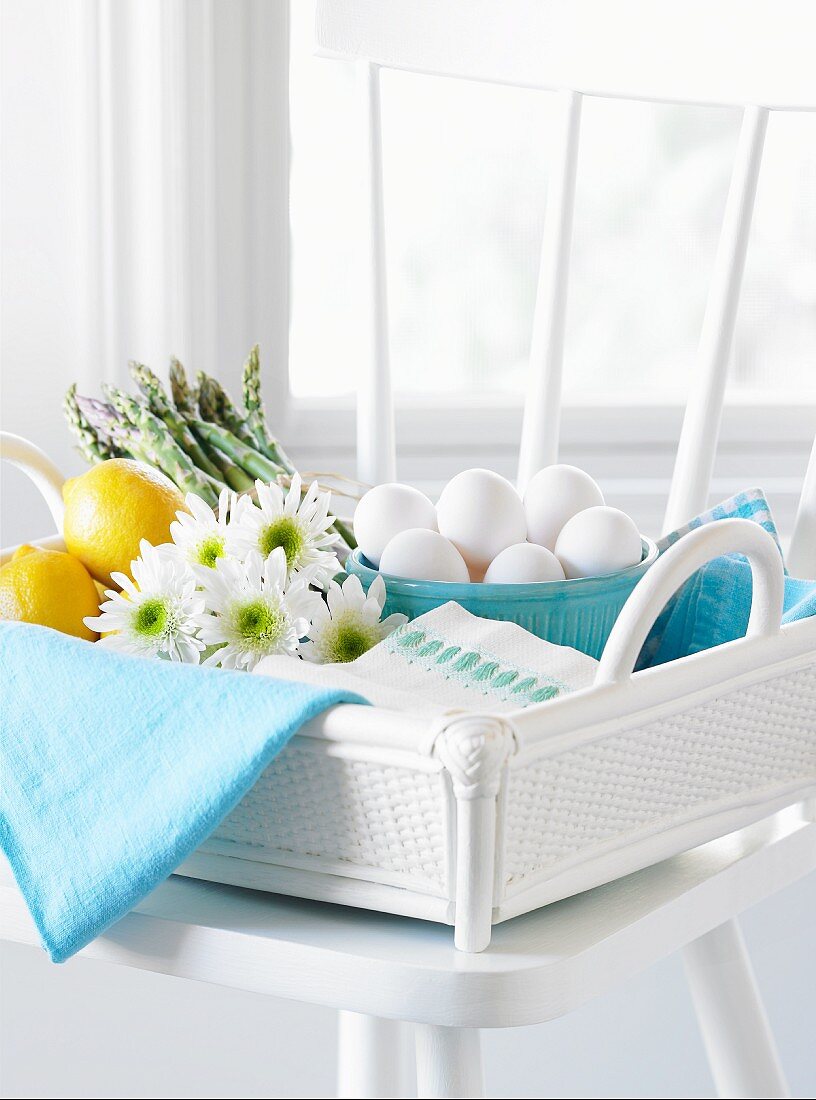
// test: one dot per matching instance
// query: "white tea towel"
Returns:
(448, 660)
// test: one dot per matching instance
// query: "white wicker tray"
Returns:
(472, 819)
(476, 819)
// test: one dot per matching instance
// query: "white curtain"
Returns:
(145, 201)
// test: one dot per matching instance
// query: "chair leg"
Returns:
(738, 1040)
(371, 1057)
(449, 1062)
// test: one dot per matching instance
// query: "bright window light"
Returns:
(465, 189)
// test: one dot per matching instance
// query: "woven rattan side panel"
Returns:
(627, 785)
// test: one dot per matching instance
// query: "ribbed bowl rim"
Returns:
(511, 593)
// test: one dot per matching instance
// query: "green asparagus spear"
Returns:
(209, 459)
(112, 430)
(252, 394)
(207, 405)
(230, 473)
(158, 404)
(248, 459)
(271, 447)
(185, 397)
(215, 405)
(134, 448)
(156, 440)
(150, 385)
(200, 453)
(93, 446)
(256, 417)
(254, 463)
(101, 416)
(256, 424)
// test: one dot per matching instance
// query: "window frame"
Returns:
(629, 448)
(774, 431)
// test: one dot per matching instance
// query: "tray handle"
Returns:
(39, 468)
(727, 536)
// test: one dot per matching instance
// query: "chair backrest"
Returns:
(756, 55)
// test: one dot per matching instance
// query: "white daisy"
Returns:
(299, 527)
(250, 611)
(157, 615)
(350, 625)
(202, 536)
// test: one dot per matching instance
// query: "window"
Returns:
(465, 187)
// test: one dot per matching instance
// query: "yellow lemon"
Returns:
(50, 588)
(111, 508)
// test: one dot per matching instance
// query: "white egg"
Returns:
(597, 541)
(386, 510)
(481, 513)
(553, 496)
(423, 555)
(524, 563)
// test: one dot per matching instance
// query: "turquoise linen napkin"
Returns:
(114, 769)
(713, 606)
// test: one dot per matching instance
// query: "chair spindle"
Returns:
(376, 456)
(802, 553)
(697, 448)
(542, 410)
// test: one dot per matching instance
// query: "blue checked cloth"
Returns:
(749, 504)
(713, 606)
(114, 769)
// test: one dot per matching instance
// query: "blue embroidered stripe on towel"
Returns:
(114, 769)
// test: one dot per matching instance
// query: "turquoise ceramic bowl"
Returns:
(579, 613)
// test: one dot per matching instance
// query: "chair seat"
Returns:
(538, 967)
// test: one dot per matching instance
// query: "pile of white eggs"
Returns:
(481, 529)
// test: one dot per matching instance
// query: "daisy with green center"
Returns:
(156, 616)
(298, 527)
(351, 623)
(202, 536)
(251, 613)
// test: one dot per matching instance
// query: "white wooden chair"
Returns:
(379, 970)
(694, 53)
